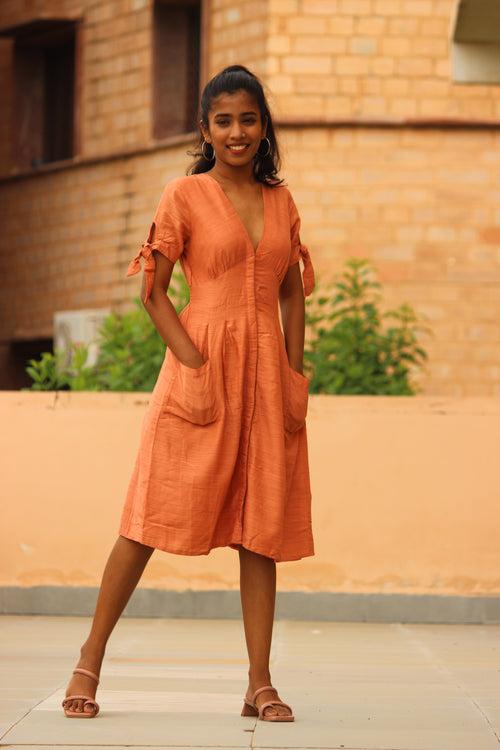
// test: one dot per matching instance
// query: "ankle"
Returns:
(92, 653)
(258, 678)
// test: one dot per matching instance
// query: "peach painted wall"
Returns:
(405, 495)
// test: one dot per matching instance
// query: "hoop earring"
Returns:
(262, 156)
(203, 152)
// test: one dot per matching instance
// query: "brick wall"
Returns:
(387, 59)
(91, 221)
(238, 34)
(421, 203)
(423, 206)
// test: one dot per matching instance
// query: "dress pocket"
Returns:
(296, 400)
(192, 395)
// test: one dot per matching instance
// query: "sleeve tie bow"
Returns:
(134, 267)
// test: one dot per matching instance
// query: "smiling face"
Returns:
(235, 129)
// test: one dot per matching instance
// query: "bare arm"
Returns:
(292, 306)
(163, 314)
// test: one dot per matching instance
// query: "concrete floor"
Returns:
(179, 684)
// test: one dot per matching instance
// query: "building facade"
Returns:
(388, 115)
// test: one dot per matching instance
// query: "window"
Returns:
(476, 42)
(176, 64)
(44, 91)
(15, 359)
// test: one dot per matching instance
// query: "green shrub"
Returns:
(347, 351)
(47, 372)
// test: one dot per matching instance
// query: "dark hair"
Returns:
(231, 79)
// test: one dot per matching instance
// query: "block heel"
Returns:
(248, 709)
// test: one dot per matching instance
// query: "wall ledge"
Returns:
(328, 606)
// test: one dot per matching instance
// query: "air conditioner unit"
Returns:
(78, 326)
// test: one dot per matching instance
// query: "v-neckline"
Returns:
(235, 212)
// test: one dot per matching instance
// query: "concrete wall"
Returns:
(405, 496)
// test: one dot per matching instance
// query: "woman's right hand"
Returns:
(195, 362)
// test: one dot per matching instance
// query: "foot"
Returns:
(81, 684)
(264, 696)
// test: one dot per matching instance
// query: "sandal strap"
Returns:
(87, 672)
(92, 702)
(86, 698)
(76, 697)
(274, 703)
(261, 690)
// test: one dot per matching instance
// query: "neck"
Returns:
(238, 176)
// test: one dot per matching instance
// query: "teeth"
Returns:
(237, 148)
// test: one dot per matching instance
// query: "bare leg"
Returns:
(121, 575)
(258, 597)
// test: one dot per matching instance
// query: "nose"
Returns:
(236, 131)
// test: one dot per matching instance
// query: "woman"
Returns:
(223, 453)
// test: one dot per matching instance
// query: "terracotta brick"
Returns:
(319, 45)
(351, 65)
(430, 46)
(354, 7)
(491, 235)
(396, 47)
(349, 85)
(403, 107)
(283, 7)
(394, 253)
(373, 105)
(388, 8)
(302, 25)
(217, 19)
(320, 7)
(229, 13)
(281, 84)
(280, 44)
(319, 64)
(359, 45)
(442, 69)
(370, 26)
(315, 103)
(315, 85)
(341, 26)
(371, 86)
(435, 27)
(416, 66)
(405, 27)
(480, 109)
(338, 106)
(419, 7)
(383, 66)
(442, 234)
(431, 87)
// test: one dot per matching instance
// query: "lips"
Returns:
(238, 148)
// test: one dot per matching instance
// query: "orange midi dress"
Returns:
(223, 458)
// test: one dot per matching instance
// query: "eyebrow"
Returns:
(228, 114)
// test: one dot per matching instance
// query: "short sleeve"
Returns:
(298, 250)
(168, 234)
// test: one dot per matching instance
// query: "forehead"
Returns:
(234, 103)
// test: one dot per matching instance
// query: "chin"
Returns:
(237, 162)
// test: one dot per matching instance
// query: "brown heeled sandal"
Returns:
(82, 714)
(250, 709)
